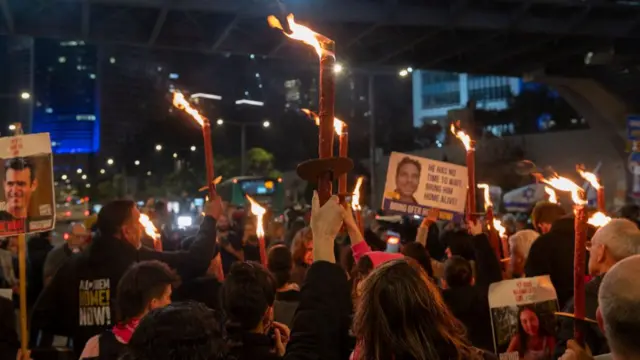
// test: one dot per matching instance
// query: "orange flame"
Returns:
(599, 219)
(466, 139)
(564, 184)
(393, 240)
(259, 212)
(300, 33)
(181, 103)
(338, 125)
(487, 195)
(149, 228)
(497, 224)
(590, 177)
(553, 197)
(355, 198)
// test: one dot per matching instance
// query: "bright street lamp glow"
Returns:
(87, 186)
(220, 122)
(137, 162)
(193, 148)
(102, 171)
(84, 177)
(337, 68)
(158, 147)
(410, 69)
(25, 95)
(175, 155)
(79, 171)
(109, 161)
(403, 73)
(266, 123)
(63, 177)
(12, 127)
(148, 173)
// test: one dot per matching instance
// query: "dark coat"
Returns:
(250, 346)
(470, 305)
(9, 342)
(80, 300)
(37, 247)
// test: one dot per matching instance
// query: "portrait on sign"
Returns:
(414, 185)
(27, 202)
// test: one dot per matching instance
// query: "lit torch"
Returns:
(325, 48)
(494, 225)
(341, 129)
(580, 228)
(599, 219)
(595, 182)
(151, 231)
(258, 211)
(553, 197)
(355, 205)
(469, 146)
(181, 103)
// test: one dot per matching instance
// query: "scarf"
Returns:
(123, 332)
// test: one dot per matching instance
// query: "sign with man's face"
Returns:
(27, 203)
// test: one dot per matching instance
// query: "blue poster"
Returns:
(633, 127)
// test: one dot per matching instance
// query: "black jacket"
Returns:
(9, 342)
(79, 302)
(320, 329)
(594, 338)
(552, 254)
(250, 346)
(470, 305)
(37, 247)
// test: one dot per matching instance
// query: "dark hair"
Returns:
(280, 264)
(360, 271)
(542, 330)
(299, 245)
(546, 212)
(19, 164)
(459, 243)
(408, 161)
(457, 272)
(160, 206)
(141, 283)
(113, 215)
(417, 252)
(247, 292)
(180, 331)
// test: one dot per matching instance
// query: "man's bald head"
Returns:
(77, 235)
(619, 303)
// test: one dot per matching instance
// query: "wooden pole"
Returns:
(471, 174)
(208, 155)
(580, 227)
(22, 270)
(602, 207)
(326, 114)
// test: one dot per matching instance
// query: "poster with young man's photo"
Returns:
(415, 185)
(523, 318)
(27, 202)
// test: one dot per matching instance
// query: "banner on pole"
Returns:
(522, 309)
(415, 184)
(27, 202)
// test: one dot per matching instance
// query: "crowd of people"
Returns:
(327, 290)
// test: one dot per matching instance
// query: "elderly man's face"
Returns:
(18, 188)
(408, 179)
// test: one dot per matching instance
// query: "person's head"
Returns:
(160, 208)
(613, 242)
(519, 246)
(247, 297)
(401, 314)
(302, 247)
(509, 222)
(417, 252)
(280, 264)
(223, 224)
(457, 273)
(544, 214)
(619, 308)
(458, 242)
(78, 236)
(19, 183)
(180, 331)
(143, 287)
(528, 321)
(121, 219)
(407, 177)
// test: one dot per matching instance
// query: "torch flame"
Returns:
(355, 198)
(564, 184)
(466, 139)
(338, 125)
(599, 219)
(553, 197)
(259, 212)
(497, 224)
(181, 103)
(487, 195)
(148, 226)
(590, 177)
(300, 33)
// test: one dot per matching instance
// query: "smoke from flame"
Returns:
(466, 139)
(355, 198)
(181, 103)
(599, 219)
(564, 184)
(300, 33)
(259, 212)
(338, 125)
(148, 226)
(553, 197)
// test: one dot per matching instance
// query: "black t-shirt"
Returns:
(231, 238)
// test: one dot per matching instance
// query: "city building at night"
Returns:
(66, 99)
(435, 93)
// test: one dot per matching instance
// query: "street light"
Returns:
(193, 148)
(137, 162)
(337, 68)
(243, 135)
(403, 73)
(110, 161)
(102, 171)
(220, 122)
(79, 171)
(12, 127)
(88, 186)
(25, 95)
(84, 177)
(175, 155)
(148, 173)
(63, 177)
(266, 124)
(158, 147)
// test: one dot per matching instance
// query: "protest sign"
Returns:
(414, 185)
(522, 309)
(27, 202)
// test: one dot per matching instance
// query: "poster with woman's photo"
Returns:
(27, 203)
(415, 185)
(523, 318)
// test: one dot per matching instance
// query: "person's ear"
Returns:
(600, 320)
(34, 185)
